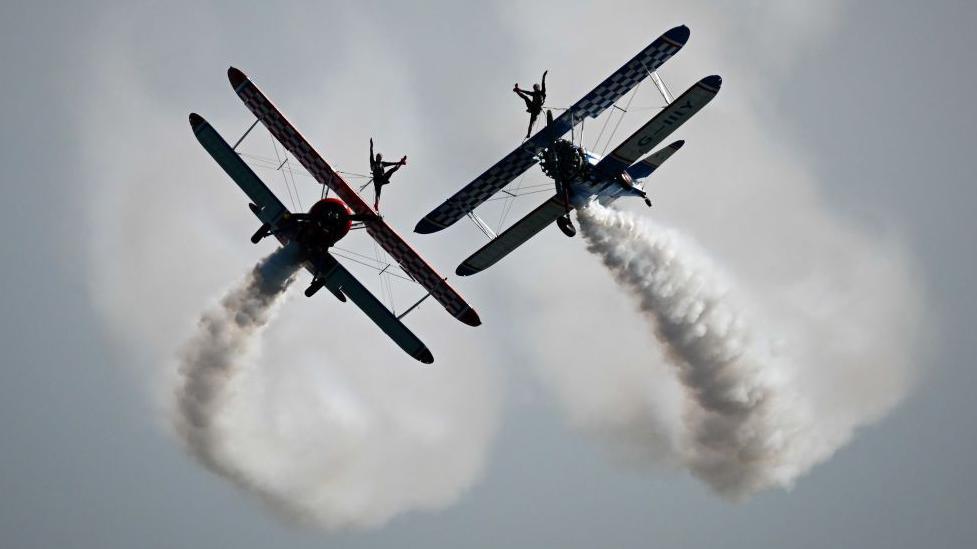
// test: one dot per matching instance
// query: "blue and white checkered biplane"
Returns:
(580, 176)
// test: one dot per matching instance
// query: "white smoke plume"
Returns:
(321, 446)
(216, 354)
(745, 423)
(317, 413)
(340, 425)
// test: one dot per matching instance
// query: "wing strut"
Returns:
(606, 94)
(414, 306)
(384, 235)
(660, 84)
(482, 225)
(255, 123)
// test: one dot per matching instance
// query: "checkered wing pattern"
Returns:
(467, 199)
(386, 236)
(291, 139)
(422, 272)
(624, 79)
(521, 159)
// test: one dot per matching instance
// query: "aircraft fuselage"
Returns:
(326, 222)
(573, 166)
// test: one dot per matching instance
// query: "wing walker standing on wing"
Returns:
(381, 177)
(534, 101)
(580, 176)
(312, 234)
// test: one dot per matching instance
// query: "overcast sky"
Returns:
(831, 179)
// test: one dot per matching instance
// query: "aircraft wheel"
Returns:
(566, 226)
(313, 288)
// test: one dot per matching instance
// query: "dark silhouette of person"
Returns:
(381, 176)
(534, 101)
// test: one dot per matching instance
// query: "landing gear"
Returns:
(316, 285)
(262, 232)
(566, 225)
(642, 194)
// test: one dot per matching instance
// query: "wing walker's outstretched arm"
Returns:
(383, 234)
(522, 158)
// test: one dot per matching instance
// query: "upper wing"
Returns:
(292, 140)
(479, 190)
(641, 170)
(385, 235)
(342, 282)
(333, 274)
(422, 272)
(591, 105)
(514, 236)
(269, 208)
(661, 126)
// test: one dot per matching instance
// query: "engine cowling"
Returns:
(331, 216)
(327, 221)
(563, 161)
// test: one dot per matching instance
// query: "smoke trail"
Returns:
(322, 444)
(745, 427)
(214, 356)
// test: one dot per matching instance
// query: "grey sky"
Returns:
(869, 100)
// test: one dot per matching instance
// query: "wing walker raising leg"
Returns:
(381, 176)
(580, 176)
(534, 101)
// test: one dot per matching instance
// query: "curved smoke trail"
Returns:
(214, 356)
(745, 427)
(327, 445)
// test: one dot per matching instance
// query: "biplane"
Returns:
(312, 234)
(580, 176)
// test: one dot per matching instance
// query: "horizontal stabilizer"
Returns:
(513, 237)
(660, 127)
(646, 167)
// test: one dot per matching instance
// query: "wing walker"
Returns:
(580, 177)
(326, 222)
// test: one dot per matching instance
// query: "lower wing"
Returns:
(591, 105)
(513, 237)
(341, 282)
(269, 209)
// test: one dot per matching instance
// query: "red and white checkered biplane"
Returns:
(312, 234)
